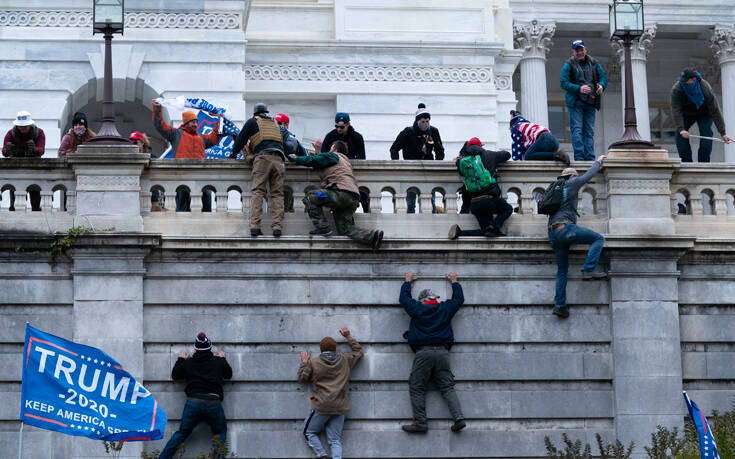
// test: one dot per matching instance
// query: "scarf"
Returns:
(329, 356)
(693, 90)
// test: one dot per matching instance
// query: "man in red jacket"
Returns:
(25, 140)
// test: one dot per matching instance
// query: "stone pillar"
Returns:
(723, 45)
(108, 187)
(638, 54)
(534, 39)
(646, 343)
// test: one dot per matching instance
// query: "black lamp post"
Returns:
(626, 23)
(108, 18)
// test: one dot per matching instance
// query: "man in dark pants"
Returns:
(694, 101)
(430, 336)
(563, 232)
(487, 205)
(204, 374)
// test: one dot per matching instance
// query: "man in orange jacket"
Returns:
(186, 143)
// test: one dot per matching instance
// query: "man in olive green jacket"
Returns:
(329, 374)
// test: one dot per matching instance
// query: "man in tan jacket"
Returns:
(329, 374)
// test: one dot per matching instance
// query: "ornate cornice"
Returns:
(722, 43)
(640, 47)
(534, 37)
(503, 81)
(286, 72)
(133, 19)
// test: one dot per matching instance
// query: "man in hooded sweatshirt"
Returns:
(204, 374)
(329, 374)
(420, 141)
(694, 101)
(430, 337)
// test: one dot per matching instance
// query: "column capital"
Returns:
(640, 47)
(534, 37)
(722, 43)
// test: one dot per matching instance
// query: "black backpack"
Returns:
(554, 196)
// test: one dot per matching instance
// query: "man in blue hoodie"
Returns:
(430, 336)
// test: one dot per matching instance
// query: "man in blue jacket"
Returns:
(584, 80)
(430, 336)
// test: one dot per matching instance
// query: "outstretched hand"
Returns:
(305, 356)
(183, 355)
(344, 331)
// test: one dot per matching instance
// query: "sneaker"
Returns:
(255, 232)
(560, 155)
(593, 275)
(277, 233)
(377, 240)
(561, 311)
(454, 232)
(458, 425)
(413, 428)
(321, 232)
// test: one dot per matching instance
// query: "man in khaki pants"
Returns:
(266, 143)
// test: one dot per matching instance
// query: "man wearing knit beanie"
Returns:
(204, 373)
(330, 375)
(419, 141)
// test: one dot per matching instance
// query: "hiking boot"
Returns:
(255, 232)
(560, 155)
(277, 233)
(321, 232)
(561, 311)
(377, 240)
(413, 428)
(454, 232)
(458, 425)
(593, 275)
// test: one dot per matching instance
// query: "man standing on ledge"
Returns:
(563, 232)
(430, 337)
(204, 374)
(584, 80)
(694, 101)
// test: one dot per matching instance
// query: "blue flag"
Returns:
(79, 390)
(205, 125)
(707, 446)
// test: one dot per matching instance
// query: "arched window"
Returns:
(514, 199)
(708, 202)
(387, 201)
(234, 199)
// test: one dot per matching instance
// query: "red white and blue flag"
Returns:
(524, 134)
(79, 390)
(707, 446)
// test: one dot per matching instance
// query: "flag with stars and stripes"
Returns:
(707, 446)
(79, 390)
(524, 134)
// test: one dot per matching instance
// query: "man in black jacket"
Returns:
(420, 141)
(430, 336)
(204, 374)
(487, 205)
(345, 132)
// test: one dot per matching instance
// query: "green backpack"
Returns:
(474, 174)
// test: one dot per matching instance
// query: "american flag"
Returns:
(228, 127)
(707, 446)
(524, 134)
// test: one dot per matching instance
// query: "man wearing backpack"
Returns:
(478, 168)
(560, 203)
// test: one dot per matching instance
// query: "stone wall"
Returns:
(663, 322)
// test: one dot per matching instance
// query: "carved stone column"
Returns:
(723, 45)
(534, 39)
(638, 55)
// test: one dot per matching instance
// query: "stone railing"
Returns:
(628, 197)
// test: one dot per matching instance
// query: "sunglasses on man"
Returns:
(340, 126)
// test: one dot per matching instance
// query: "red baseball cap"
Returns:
(474, 141)
(135, 135)
(281, 118)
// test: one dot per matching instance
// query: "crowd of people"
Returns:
(429, 335)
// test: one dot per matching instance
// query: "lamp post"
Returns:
(108, 19)
(626, 23)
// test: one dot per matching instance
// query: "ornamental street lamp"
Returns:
(108, 18)
(626, 23)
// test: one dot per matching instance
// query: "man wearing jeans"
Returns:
(330, 375)
(430, 337)
(533, 142)
(563, 232)
(204, 374)
(584, 80)
(694, 101)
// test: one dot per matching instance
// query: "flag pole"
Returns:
(20, 441)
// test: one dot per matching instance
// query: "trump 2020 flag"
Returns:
(79, 390)
(707, 446)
